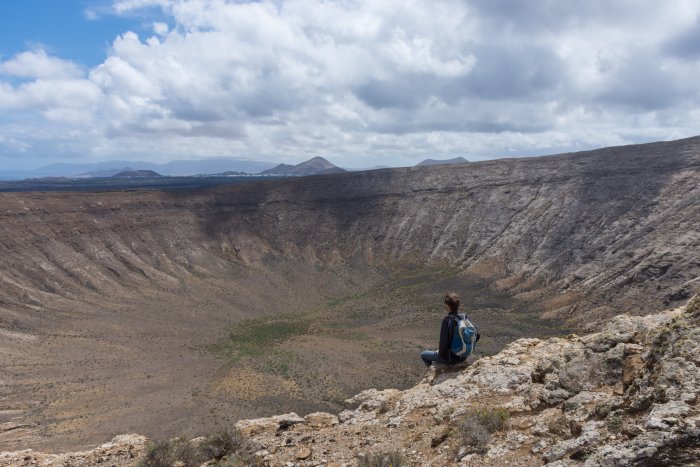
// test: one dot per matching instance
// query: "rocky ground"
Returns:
(123, 450)
(626, 395)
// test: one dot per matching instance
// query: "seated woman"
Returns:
(449, 322)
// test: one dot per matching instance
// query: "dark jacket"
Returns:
(446, 332)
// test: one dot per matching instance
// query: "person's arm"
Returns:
(444, 348)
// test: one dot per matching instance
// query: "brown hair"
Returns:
(452, 301)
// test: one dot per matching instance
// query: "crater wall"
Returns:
(617, 226)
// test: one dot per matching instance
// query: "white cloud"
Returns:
(37, 64)
(47, 95)
(161, 28)
(360, 81)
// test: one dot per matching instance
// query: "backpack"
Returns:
(464, 337)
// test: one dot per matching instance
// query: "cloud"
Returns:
(365, 82)
(686, 45)
(161, 28)
(37, 64)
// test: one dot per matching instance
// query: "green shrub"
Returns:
(477, 426)
(614, 422)
(444, 414)
(166, 453)
(252, 338)
(217, 446)
(601, 411)
(383, 459)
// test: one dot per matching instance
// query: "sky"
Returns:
(362, 83)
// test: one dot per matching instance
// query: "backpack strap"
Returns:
(454, 318)
(453, 323)
(450, 336)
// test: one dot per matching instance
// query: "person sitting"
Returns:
(449, 322)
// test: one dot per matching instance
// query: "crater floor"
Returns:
(188, 360)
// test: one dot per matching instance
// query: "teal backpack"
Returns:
(464, 336)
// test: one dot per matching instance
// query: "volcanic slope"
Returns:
(170, 312)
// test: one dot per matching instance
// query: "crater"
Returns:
(169, 313)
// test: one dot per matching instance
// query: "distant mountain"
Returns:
(212, 166)
(315, 166)
(218, 166)
(137, 174)
(104, 173)
(456, 160)
(281, 169)
(110, 168)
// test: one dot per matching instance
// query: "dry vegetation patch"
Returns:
(221, 448)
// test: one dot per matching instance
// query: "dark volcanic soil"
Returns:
(142, 310)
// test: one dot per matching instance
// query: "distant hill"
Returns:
(104, 173)
(456, 160)
(137, 174)
(281, 169)
(110, 168)
(315, 166)
(211, 166)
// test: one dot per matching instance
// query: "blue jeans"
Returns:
(430, 356)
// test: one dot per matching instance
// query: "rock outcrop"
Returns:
(122, 451)
(626, 395)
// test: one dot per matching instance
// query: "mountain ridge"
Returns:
(136, 174)
(172, 168)
(314, 166)
(454, 160)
